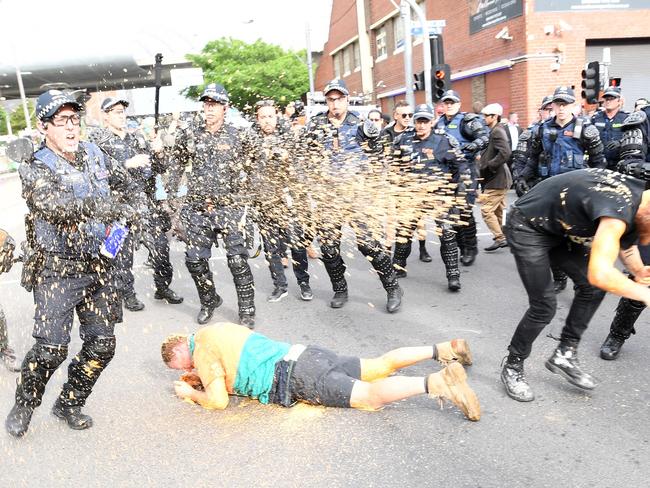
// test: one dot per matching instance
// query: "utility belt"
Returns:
(281, 390)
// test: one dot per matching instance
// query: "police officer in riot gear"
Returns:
(635, 161)
(609, 123)
(430, 159)
(71, 205)
(279, 195)
(7, 354)
(560, 146)
(520, 155)
(215, 204)
(468, 129)
(334, 133)
(143, 164)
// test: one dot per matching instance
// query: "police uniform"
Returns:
(71, 207)
(155, 221)
(610, 130)
(275, 182)
(214, 206)
(472, 135)
(429, 161)
(345, 160)
(634, 162)
(7, 354)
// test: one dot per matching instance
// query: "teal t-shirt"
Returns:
(257, 366)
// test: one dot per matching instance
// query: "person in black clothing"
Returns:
(220, 156)
(143, 164)
(429, 165)
(582, 221)
(609, 122)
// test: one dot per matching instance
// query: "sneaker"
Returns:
(564, 362)
(133, 304)
(451, 384)
(497, 244)
(278, 294)
(305, 292)
(514, 379)
(8, 357)
(456, 350)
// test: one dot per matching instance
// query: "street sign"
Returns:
(434, 27)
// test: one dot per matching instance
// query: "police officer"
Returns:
(430, 160)
(276, 184)
(520, 155)
(215, 203)
(333, 133)
(560, 146)
(609, 121)
(66, 187)
(470, 131)
(635, 161)
(142, 163)
(7, 354)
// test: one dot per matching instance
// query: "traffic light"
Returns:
(614, 82)
(419, 81)
(591, 82)
(441, 81)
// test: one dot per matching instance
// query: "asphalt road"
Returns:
(144, 436)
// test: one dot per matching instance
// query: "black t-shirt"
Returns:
(571, 204)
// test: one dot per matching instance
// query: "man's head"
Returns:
(114, 111)
(563, 100)
(59, 120)
(267, 116)
(546, 108)
(423, 120)
(640, 103)
(402, 114)
(374, 116)
(176, 352)
(612, 99)
(451, 100)
(215, 103)
(513, 118)
(492, 114)
(336, 95)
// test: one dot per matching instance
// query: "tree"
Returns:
(252, 72)
(17, 118)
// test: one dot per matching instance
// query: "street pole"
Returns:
(426, 50)
(607, 60)
(405, 9)
(310, 98)
(21, 89)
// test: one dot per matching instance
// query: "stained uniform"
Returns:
(214, 206)
(70, 206)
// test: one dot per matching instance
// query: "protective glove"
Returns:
(521, 187)
(613, 145)
(470, 147)
(7, 246)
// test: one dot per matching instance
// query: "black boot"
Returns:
(469, 256)
(132, 303)
(39, 365)
(469, 248)
(243, 278)
(400, 255)
(564, 362)
(514, 379)
(169, 295)
(73, 416)
(335, 268)
(83, 372)
(627, 313)
(453, 283)
(200, 273)
(449, 255)
(394, 300)
(560, 279)
(18, 420)
(424, 254)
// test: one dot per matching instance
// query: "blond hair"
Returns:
(168, 345)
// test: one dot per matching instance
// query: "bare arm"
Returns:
(604, 252)
(215, 396)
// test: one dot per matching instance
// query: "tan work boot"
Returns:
(451, 384)
(454, 350)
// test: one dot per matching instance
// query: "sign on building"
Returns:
(486, 13)
(582, 5)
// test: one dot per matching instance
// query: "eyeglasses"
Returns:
(334, 99)
(62, 120)
(406, 116)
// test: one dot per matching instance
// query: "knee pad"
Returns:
(198, 267)
(100, 348)
(237, 262)
(49, 356)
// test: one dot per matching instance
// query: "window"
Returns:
(347, 61)
(336, 59)
(357, 57)
(380, 43)
(398, 31)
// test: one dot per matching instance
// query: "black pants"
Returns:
(276, 239)
(534, 254)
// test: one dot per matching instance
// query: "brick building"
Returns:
(543, 44)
